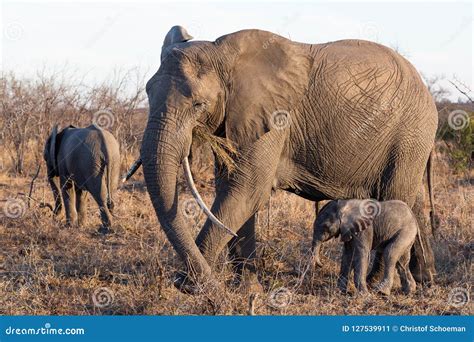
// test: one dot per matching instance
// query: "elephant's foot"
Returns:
(422, 267)
(374, 278)
(81, 221)
(424, 276)
(104, 230)
(342, 285)
(189, 285)
(409, 288)
(70, 223)
(184, 283)
(384, 289)
(362, 290)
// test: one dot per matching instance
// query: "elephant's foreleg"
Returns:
(239, 198)
(234, 211)
(242, 250)
(361, 262)
(422, 259)
(346, 267)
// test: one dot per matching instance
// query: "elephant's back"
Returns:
(86, 150)
(378, 76)
(372, 123)
(111, 143)
(396, 215)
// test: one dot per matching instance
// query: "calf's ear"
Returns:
(354, 218)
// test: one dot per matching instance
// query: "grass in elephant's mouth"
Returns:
(48, 269)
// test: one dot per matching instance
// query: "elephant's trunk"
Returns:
(54, 183)
(164, 147)
(316, 252)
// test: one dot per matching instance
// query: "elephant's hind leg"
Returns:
(391, 256)
(404, 184)
(408, 283)
(69, 198)
(99, 193)
(422, 259)
(81, 203)
(377, 268)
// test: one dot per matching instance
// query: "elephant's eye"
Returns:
(199, 105)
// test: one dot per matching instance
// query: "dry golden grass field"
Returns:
(48, 269)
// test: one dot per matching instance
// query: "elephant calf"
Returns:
(389, 227)
(80, 160)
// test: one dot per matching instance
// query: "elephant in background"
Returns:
(340, 120)
(365, 225)
(81, 160)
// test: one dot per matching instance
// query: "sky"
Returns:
(96, 39)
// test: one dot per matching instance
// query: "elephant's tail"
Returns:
(110, 203)
(430, 176)
(107, 167)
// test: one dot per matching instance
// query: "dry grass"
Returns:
(46, 268)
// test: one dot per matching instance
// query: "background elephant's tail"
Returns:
(107, 167)
(429, 176)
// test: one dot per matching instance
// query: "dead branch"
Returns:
(32, 184)
(252, 299)
(41, 204)
(461, 91)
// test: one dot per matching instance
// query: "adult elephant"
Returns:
(346, 119)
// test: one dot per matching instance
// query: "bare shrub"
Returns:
(30, 108)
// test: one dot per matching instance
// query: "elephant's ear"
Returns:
(352, 219)
(177, 34)
(268, 77)
(53, 150)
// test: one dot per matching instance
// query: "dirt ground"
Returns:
(47, 269)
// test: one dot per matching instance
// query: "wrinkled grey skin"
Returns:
(362, 125)
(391, 232)
(80, 160)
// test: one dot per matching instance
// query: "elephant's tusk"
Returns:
(132, 170)
(189, 179)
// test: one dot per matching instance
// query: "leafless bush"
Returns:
(30, 107)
